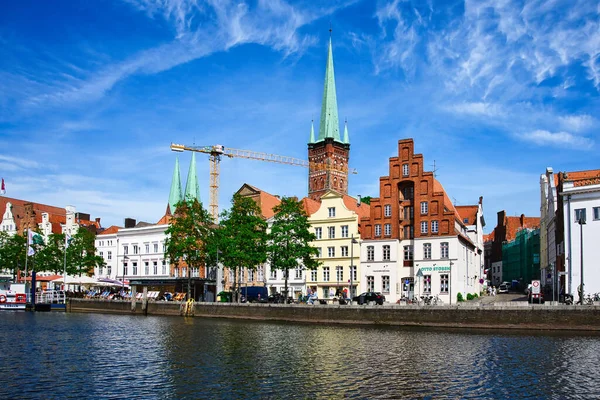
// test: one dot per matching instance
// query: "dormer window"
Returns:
(331, 211)
(466, 220)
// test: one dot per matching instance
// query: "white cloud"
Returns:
(576, 123)
(15, 163)
(543, 137)
(477, 108)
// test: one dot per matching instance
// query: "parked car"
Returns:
(366, 297)
(502, 288)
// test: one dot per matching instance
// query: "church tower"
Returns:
(329, 152)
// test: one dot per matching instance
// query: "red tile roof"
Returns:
(583, 178)
(364, 210)
(110, 230)
(310, 206)
(56, 215)
(469, 213)
(515, 224)
(265, 201)
(489, 237)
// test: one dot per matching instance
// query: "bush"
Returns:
(459, 297)
(475, 295)
(469, 296)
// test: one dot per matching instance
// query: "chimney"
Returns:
(501, 218)
(129, 223)
(522, 220)
(480, 200)
(98, 222)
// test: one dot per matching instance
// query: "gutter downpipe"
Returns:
(570, 248)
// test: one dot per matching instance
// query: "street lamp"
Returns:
(581, 223)
(352, 243)
(450, 284)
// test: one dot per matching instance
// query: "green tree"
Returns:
(81, 253)
(289, 240)
(366, 199)
(242, 238)
(12, 252)
(187, 236)
(50, 257)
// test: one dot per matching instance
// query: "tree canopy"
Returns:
(242, 238)
(289, 239)
(189, 235)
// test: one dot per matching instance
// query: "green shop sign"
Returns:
(435, 269)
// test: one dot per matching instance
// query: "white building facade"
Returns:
(581, 208)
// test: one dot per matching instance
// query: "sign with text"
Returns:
(435, 269)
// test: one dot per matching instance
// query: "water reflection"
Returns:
(52, 355)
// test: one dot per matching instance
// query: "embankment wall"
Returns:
(539, 317)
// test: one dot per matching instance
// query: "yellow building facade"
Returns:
(336, 224)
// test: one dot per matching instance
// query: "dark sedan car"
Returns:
(367, 297)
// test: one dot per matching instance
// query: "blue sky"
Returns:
(93, 93)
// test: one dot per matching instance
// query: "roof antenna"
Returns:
(435, 170)
(330, 30)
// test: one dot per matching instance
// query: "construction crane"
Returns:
(217, 151)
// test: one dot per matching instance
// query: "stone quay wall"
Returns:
(498, 316)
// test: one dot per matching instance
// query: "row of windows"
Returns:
(409, 230)
(408, 252)
(8, 228)
(101, 243)
(147, 268)
(580, 214)
(259, 273)
(385, 284)
(332, 253)
(136, 248)
(326, 274)
(331, 232)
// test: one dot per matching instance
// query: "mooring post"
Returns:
(133, 300)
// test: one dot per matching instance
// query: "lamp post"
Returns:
(352, 242)
(124, 258)
(450, 284)
(581, 223)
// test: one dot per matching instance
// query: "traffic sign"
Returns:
(535, 287)
(419, 273)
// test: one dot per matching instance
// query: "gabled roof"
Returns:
(515, 224)
(489, 237)
(364, 210)
(469, 213)
(266, 201)
(310, 206)
(110, 230)
(56, 215)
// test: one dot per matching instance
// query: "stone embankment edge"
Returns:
(528, 317)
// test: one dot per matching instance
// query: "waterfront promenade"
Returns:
(497, 315)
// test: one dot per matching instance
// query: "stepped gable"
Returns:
(28, 214)
(265, 201)
(404, 189)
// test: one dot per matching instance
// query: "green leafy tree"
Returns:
(366, 199)
(188, 235)
(242, 237)
(81, 254)
(289, 240)
(12, 252)
(50, 257)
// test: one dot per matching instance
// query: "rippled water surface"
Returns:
(58, 355)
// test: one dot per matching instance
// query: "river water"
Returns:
(63, 355)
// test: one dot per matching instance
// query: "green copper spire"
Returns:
(312, 132)
(175, 195)
(346, 137)
(330, 125)
(192, 189)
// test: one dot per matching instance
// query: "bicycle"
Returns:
(437, 300)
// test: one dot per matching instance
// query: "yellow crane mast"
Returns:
(217, 151)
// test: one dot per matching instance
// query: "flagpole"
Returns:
(26, 258)
(65, 265)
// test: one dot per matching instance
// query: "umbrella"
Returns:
(112, 282)
(76, 280)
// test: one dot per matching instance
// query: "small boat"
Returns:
(13, 297)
